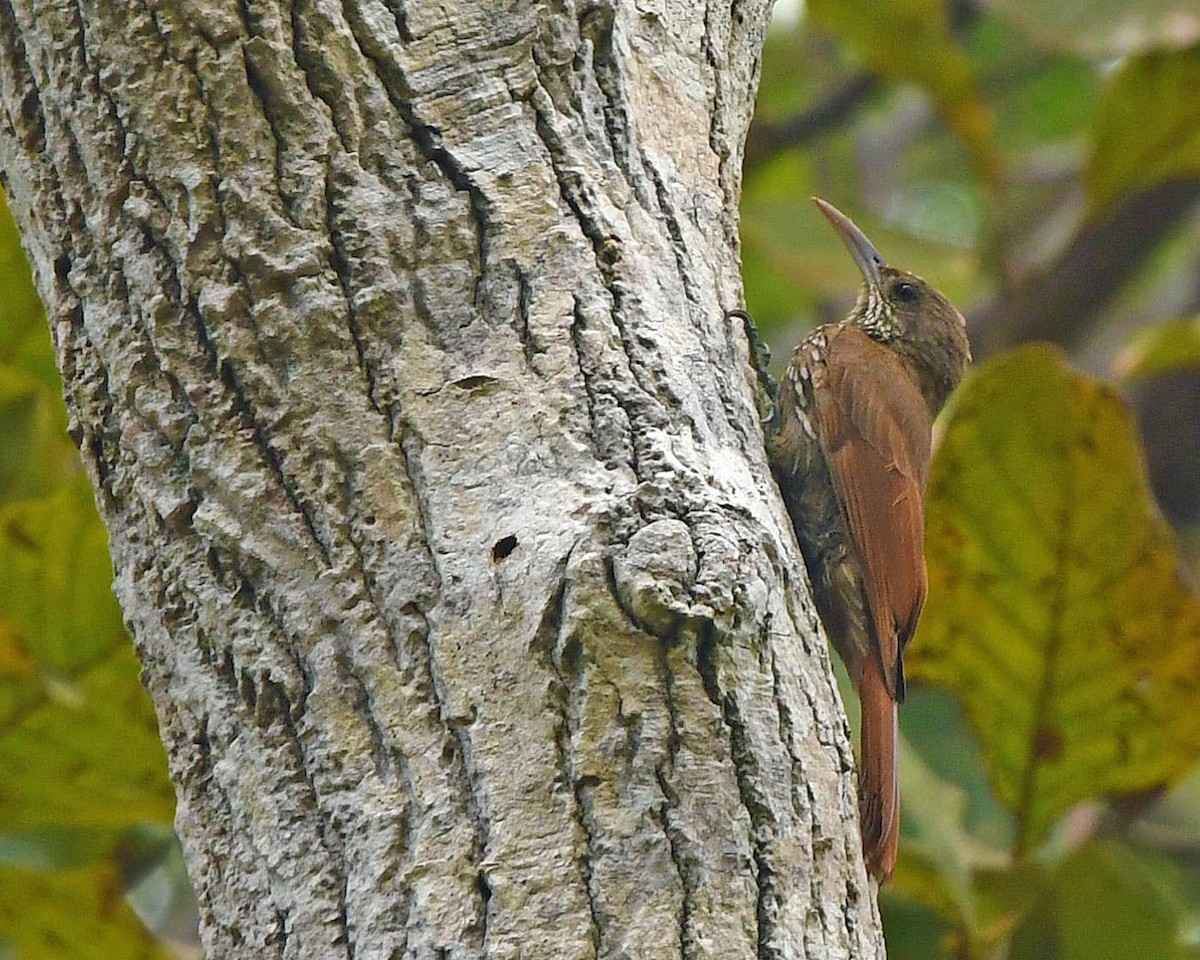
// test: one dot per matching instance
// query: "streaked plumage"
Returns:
(849, 442)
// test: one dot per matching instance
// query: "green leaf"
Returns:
(1106, 903)
(1104, 28)
(781, 91)
(909, 41)
(936, 861)
(1162, 349)
(79, 744)
(914, 932)
(1149, 126)
(57, 848)
(81, 914)
(934, 726)
(1056, 610)
(1004, 900)
(779, 245)
(975, 891)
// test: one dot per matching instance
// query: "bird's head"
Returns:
(905, 313)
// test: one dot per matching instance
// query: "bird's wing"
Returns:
(875, 427)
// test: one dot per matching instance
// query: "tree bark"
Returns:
(393, 339)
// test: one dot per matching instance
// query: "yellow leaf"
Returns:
(80, 914)
(79, 743)
(15, 661)
(1056, 610)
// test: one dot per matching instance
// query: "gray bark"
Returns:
(393, 339)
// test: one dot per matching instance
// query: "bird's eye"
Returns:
(905, 292)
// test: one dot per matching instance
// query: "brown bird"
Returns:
(849, 443)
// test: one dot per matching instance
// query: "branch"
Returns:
(1059, 301)
(837, 110)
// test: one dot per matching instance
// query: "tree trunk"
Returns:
(393, 339)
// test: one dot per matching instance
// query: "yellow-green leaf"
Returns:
(35, 453)
(909, 41)
(1162, 349)
(81, 914)
(1056, 610)
(1149, 126)
(78, 740)
(22, 321)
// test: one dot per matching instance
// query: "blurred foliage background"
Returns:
(1038, 162)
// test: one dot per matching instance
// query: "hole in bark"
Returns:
(706, 662)
(503, 547)
(484, 888)
(247, 691)
(473, 383)
(572, 654)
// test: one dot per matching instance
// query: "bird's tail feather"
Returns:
(879, 786)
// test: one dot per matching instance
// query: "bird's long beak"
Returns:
(863, 251)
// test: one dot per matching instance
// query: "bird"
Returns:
(849, 441)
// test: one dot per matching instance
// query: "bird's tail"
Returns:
(878, 784)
